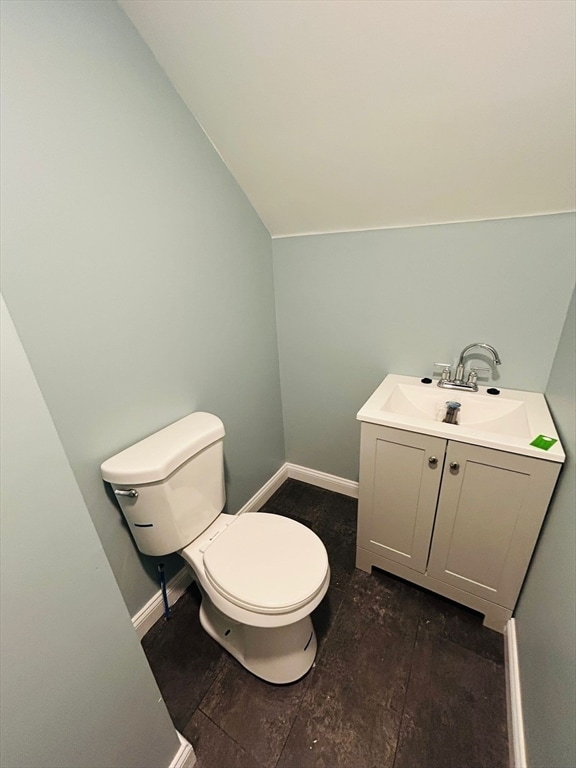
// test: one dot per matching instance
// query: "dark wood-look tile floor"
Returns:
(402, 678)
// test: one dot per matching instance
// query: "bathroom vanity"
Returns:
(455, 508)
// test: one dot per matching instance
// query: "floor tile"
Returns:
(442, 616)
(337, 727)
(380, 596)
(350, 713)
(341, 557)
(324, 616)
(256, 714)
(183, 658)
(370, 652)
(213, 748)
(461, 625)
(296, 500)
(455, 711)
(337, 516)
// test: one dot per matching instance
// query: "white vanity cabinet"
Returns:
(459, 519)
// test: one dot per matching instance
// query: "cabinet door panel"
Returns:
(396, 513)
(489, 515)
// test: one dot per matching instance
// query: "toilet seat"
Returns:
(266, 563)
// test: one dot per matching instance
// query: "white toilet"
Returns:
(260, 575)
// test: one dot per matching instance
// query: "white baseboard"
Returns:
(323, 480)
(514, 699)
(268, 489)
(185, 757)
(154, 608)
(149, 614)
(305, 475)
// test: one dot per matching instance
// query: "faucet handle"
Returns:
(446, 370)
(473, 374)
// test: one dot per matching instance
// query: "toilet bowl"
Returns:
(260, 575)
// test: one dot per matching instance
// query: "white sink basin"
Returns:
(487, 412)
(508, 421)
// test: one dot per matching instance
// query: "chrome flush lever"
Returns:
(130, 492)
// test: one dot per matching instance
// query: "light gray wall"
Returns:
(76, 690)
(138, 275)
(546, 614)
(354, 307)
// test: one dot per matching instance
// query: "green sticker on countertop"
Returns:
(544, 442)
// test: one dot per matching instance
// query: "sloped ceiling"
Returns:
(338, 115)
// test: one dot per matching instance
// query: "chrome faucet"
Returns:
(446, 380)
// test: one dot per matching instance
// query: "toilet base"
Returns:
(275, 654)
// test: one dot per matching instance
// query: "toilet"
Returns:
(260, 575)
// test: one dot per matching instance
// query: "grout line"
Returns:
(313, 670)
(257, 763)
(418, 625)
(306, 687)
(304, 692)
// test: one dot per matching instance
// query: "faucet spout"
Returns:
(458, 381)
(493, 352)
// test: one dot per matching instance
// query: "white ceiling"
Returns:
(338, 115)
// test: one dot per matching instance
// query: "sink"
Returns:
(508, 421)
(493, 413)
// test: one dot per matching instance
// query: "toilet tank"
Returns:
(170, 485)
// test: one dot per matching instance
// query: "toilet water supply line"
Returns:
(162, 578)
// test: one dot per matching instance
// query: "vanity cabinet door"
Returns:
(491, 507)
(399, 482)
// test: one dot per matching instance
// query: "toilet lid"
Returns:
(267, 563)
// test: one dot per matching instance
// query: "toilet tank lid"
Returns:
(157, 456)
